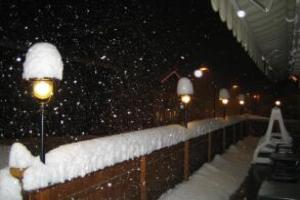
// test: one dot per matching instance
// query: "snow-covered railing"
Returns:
(76, 160)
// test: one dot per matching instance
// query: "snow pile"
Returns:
(4, 152)
(256, 117)
(43, 61)
(202, 127)
(78, 159)
(219, 179)
(10, 187)
(19, 156)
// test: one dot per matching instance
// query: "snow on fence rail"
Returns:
(78, 159)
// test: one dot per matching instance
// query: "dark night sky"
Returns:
(115, 53)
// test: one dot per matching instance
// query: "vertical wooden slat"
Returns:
(224, 139)
(234, 134)
(209, 150)
(186, 160)
(143, 188)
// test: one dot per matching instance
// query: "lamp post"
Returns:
(224, 98)
(43, 65)
(42, 89)
(241, 99)
(256, 98)
(198, 73)
(185, 90)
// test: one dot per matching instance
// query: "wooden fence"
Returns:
(147, 177)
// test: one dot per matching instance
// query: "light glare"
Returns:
(241, 13)
(225, 101)
(42, 89)
(278, 103)
(198, 73)
(185, 99)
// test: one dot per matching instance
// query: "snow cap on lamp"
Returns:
(241, 97)
(43, 60)
(224, 94)
(185, 87)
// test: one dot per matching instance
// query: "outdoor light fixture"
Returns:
(278, 103)
(198, 73)
(224, 98)
(185, 90)
(42, 89)
(204, 69)
(235, 86)
(225, 101)
(43, 65)
(241, 98)
(186, 99)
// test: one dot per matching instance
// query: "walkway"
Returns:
(219, 179)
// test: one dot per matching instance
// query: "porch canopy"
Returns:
(269, 32)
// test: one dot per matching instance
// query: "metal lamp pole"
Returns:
(42, 147)
(42, 91)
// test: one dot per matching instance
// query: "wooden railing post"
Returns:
(209, 150)
(143, 186)
(234, 134)
(186, 163)
(224, 139)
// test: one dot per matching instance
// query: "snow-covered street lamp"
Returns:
(43, 65)
(224, 98)
(185, 90)
(241, 99)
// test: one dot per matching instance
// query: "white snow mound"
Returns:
(19, 156)
(43, 60)
(10, 187)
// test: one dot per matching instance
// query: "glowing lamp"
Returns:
(186, 99)
(225, 101)
(278, 103)
(241, 102)
(204, 69)
(241, 98)
(42, 89)
(43, 64)
(185, 89)
(235, 86)
(198, 73)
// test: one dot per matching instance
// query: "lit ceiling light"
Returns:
(241, 13)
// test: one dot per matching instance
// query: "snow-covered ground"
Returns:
(219, 179)
(4, 152)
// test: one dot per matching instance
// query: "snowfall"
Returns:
(78, 159)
